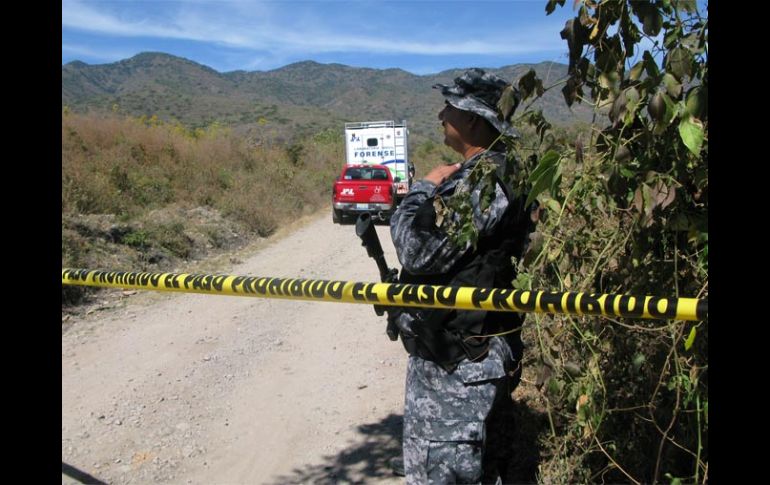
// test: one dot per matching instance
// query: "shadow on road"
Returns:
(79, 475)
(530, 423)
(365, 461)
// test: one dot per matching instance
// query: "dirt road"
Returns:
(183, 388)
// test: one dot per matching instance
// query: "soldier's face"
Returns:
(454, 122)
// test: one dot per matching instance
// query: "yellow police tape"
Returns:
(395, 294)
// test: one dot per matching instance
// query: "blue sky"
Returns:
(420, 36)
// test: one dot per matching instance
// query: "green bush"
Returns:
(626, 212)
(623, 209)
(136, 238)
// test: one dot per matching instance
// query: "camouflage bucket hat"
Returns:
(479, 92)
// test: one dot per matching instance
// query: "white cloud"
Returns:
(261, 27)
(77, 15)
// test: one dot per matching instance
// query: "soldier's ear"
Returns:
(474, 120)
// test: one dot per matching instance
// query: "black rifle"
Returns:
(365, 230)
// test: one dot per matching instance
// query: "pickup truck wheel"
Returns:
(336, 216)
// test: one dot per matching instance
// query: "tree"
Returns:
(624, 210)
(631, 217)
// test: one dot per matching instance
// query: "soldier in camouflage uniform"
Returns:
(457, 413)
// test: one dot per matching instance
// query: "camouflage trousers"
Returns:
(458, 426)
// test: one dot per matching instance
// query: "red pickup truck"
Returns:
(363, 188)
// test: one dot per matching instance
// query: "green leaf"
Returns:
(638, 360)
(636, 71)
(551, 6)
(529, 84)
(684, 6)
(697, 102)
(576, 36)
(572, 90)
(508, 102)
(657, 107)
(632, 103)
(649, 64)
(672, 37)
(544, 176)
(647, 197)
(674, 480)
(623, 154)
(546, 162)
(695, 41)
(487, 184)
(554, 253)
(585, 18)
(609, 80)
(679, 62)
(618, 108)
(653, 21)
(540, 185)
(523, 281)
(627, 173)
(554, 386)
(673, 87)
(690, 339)
(691, 131)
(554, 205)
(668, 115)
(629, 33)
(609, 54)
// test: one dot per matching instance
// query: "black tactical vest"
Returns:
(449, 336)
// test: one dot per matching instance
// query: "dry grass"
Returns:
(138, 194)
(127, 166)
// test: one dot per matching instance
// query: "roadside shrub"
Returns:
(130, 167)
(626, 211)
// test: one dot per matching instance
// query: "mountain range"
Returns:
(294, 100)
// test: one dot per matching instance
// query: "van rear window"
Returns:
(366, 173)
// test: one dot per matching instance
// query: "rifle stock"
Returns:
(369, 239)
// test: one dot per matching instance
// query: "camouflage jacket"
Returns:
(423, 248)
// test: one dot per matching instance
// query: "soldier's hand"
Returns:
(439, 174)
(403, 321)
